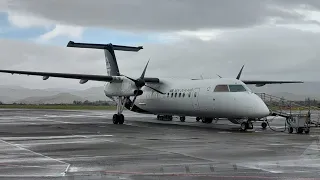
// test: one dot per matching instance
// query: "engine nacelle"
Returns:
(123, 88)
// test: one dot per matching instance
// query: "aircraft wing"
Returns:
(83, 77)
(262, 83)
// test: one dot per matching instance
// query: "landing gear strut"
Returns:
(119, 117)
(182, 118)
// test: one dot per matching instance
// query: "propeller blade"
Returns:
(144, 71)
(238, 77)
(219, 76)
(134, 99)
(130, 78)
(155, 89)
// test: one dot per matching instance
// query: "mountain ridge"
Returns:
(11, 94)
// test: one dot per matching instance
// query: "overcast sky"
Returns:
(275, 39)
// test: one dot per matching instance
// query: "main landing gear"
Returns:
(164, 117)
(207, 120)
(246, 125)
(119, 117)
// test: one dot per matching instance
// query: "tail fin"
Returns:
(110, 57)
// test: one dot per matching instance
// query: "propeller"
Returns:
(238, 77)
(140, 82)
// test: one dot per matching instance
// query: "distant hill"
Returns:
(10, 94)
(291, 91)
(64, 98)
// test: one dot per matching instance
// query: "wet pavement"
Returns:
(72, 145)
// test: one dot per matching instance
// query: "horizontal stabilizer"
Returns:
(104, 46)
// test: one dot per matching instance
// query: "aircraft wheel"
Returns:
(290, 129)
(299, 130)
(115, 119)
(249, 125)
(182, 118)
(207, 120)
(198, 119)
(121, 118)
(244, 126)
(264, 125)
(307, 131)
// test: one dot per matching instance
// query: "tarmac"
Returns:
(74, 145)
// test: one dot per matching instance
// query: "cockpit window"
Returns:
(221, 88)
(237, 88)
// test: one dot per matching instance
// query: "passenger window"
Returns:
(221, 88)
(237, 88)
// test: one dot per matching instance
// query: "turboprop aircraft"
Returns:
(204, 99)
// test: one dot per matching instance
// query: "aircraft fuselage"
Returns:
(200, 98)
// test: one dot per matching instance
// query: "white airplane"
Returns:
(204, 99)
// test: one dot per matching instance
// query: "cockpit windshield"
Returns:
(230, 88)
(221, 88)
(237, 88)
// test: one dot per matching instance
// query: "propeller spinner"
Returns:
(140, 82)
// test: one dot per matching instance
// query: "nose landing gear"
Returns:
(264, 125)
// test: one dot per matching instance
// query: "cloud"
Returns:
(3, 5)
(63, 30)
(270, 53)
(28, 20)
(151, 15)
(21, 20)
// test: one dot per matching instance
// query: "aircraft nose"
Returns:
(261, 108)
